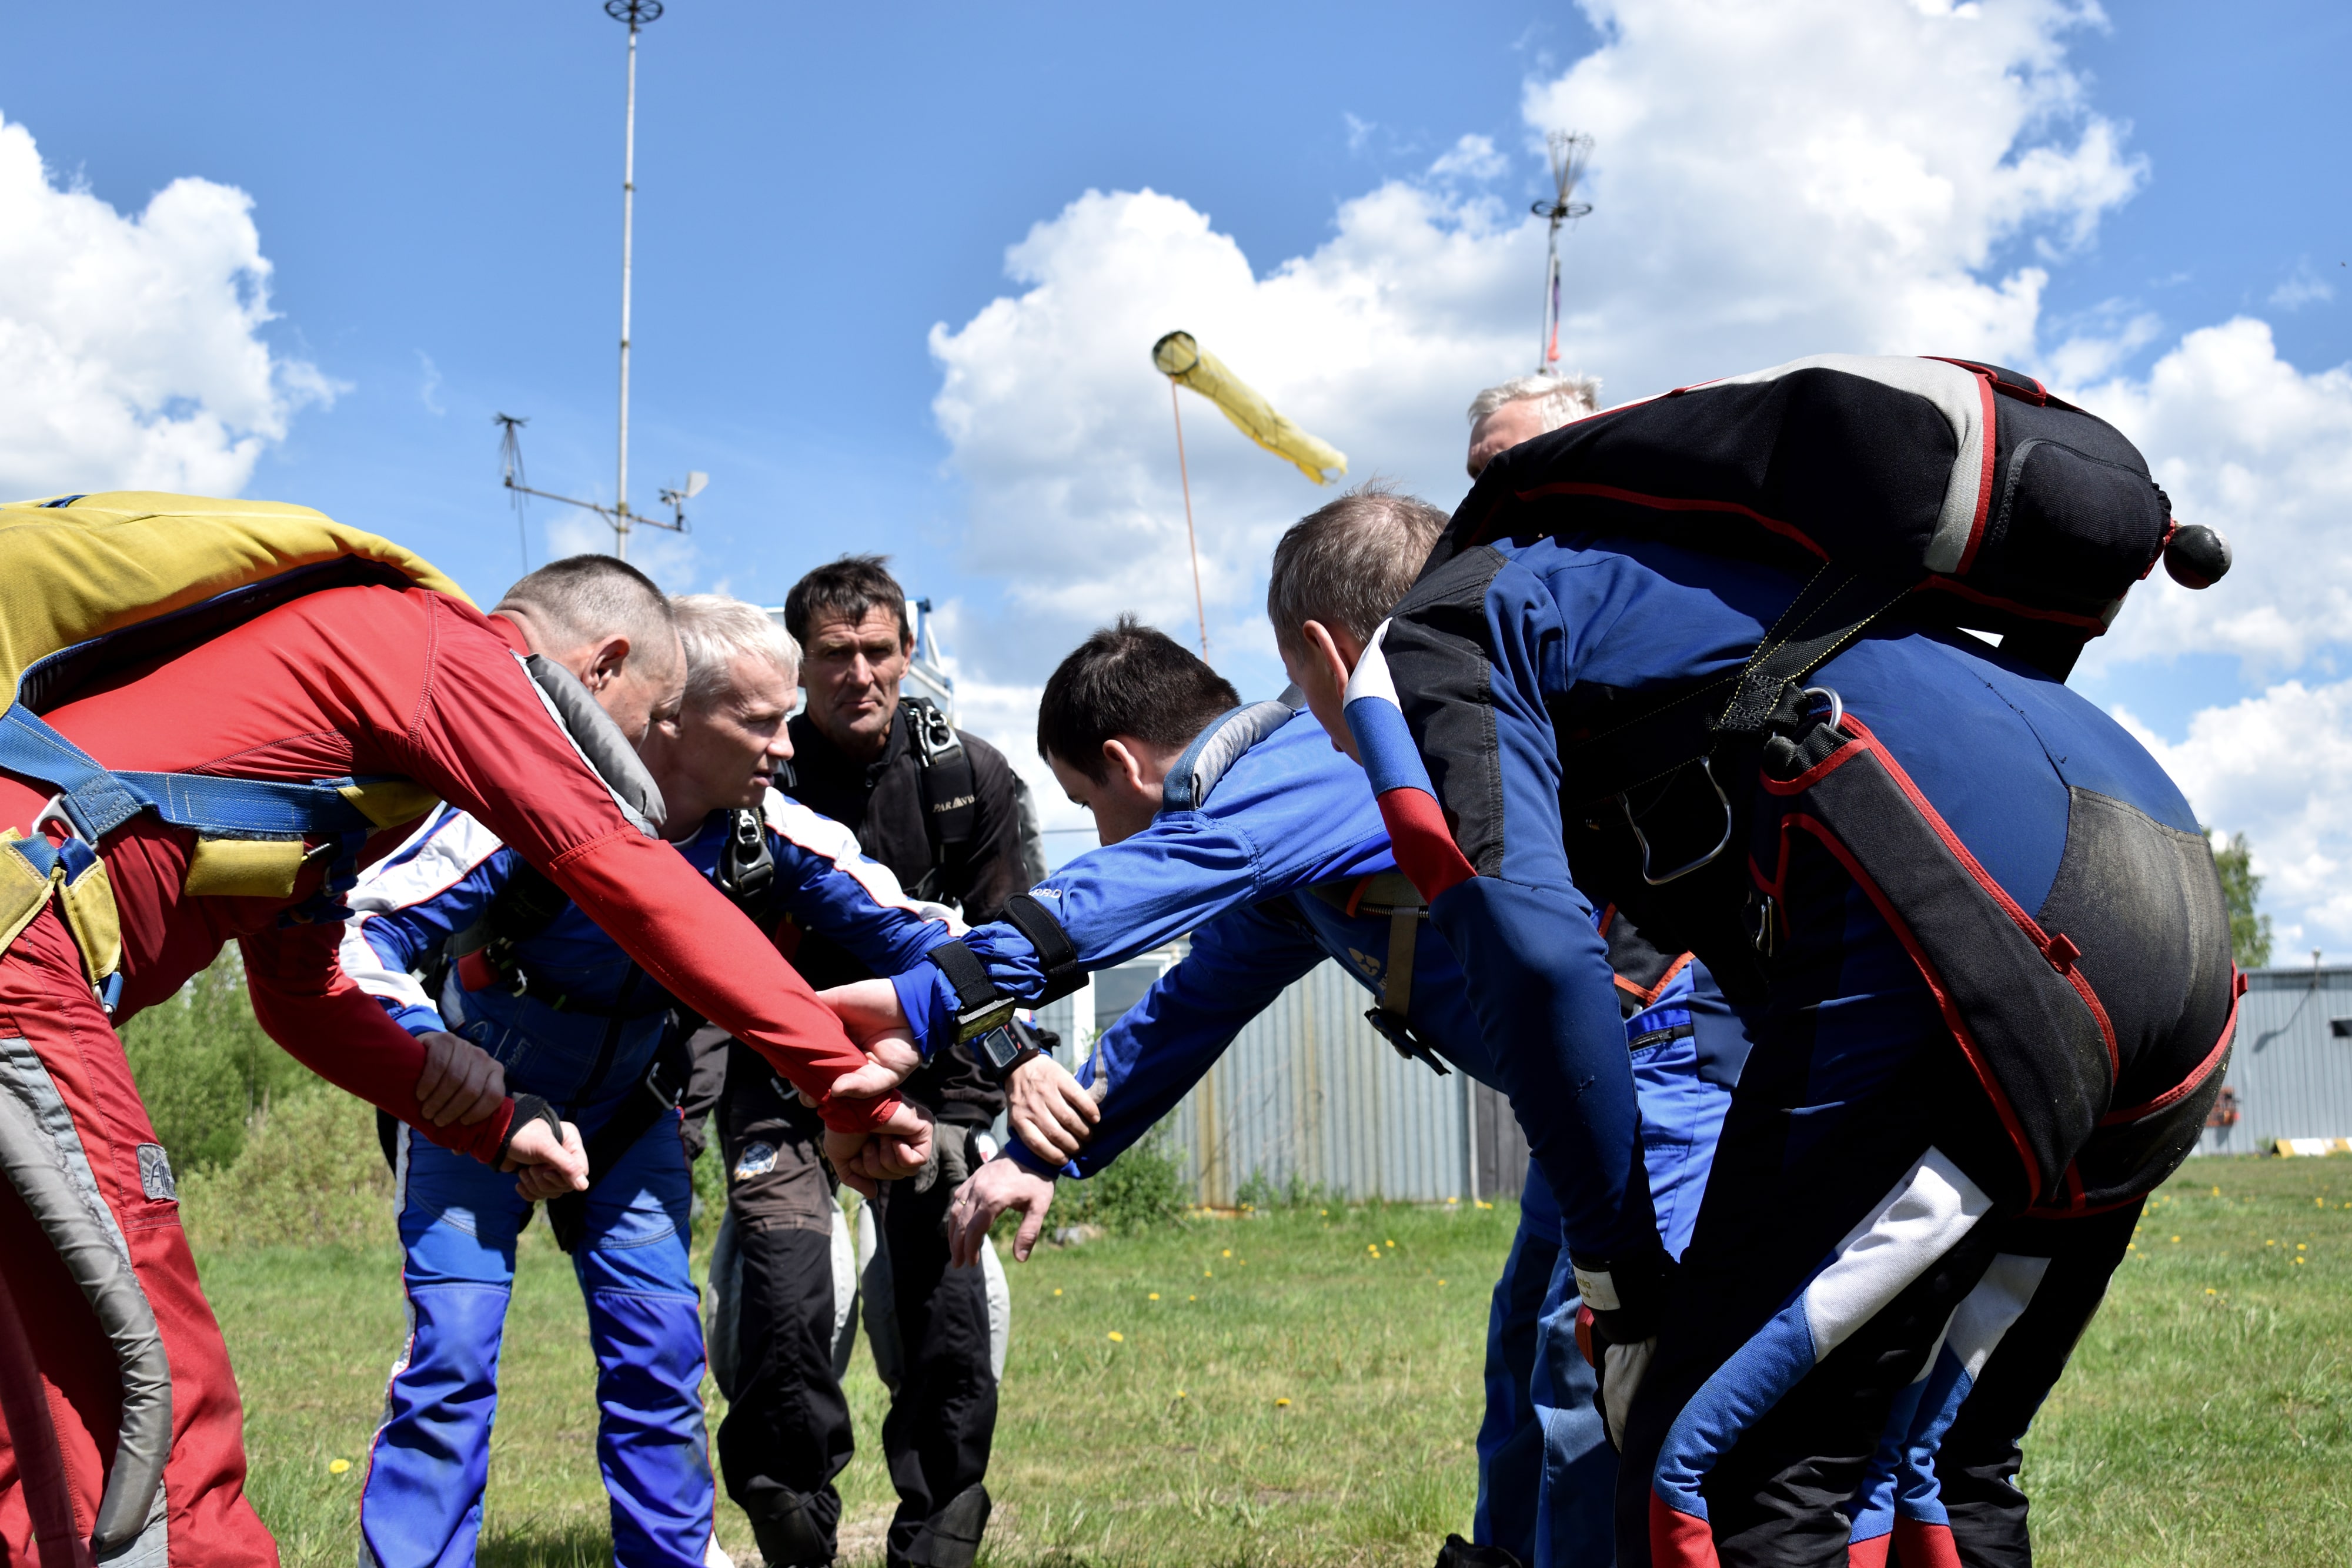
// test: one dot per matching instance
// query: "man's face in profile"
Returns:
(1502, 430)
(851, 670)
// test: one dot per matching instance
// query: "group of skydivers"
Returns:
(1853, 979)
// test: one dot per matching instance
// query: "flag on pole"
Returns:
(1182, 360)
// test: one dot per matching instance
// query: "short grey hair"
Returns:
(1348, 561)
(1559, 398)
(714, 629)
(588, 598)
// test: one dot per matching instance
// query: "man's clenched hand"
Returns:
(891, 1152)
(1049, 1111)
(870, 1014)
(550, 1165)
(1003, 1183)
(461, 1082)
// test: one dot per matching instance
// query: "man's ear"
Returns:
(605, 665)
(1323, 652)
(1126, 767)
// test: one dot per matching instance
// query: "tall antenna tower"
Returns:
(617, 516)
(635, 13)
(1570, 151)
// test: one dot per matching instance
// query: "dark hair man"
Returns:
(369, 673)
(1246, 828)
(581, 1024)
(940, 809)
(1973, 910)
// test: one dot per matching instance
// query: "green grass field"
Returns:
(1303, 1388)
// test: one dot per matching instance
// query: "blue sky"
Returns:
(436, 197)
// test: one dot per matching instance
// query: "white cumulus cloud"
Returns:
(1866, 175)
(130, 347)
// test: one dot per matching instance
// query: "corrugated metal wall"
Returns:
(2291, 1076)
(1311, 1092)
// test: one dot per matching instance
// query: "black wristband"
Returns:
(527, 1108)
(980, 1006)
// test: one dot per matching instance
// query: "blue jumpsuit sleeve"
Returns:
(408, 905)
(1153, 1056)
(1473, 651)
(829, 886)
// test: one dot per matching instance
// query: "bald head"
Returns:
(606, 622)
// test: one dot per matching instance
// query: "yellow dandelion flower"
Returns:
(2176, 1238)
(337, 1466)
(1154, 1296)
(1392, 1243)
(2302, 1246)
(1208, 1273)
(1057, 1290)
(1180, 1393)
(2217, 1192)
(1229, 1251)
(1373, 1249)
(1281, 1404)
(2211, 1291)
(1191, 1298)
(1440, 1281)
(2271, 1242)
(1117, 1337)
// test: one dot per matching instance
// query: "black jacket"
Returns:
(883, 803)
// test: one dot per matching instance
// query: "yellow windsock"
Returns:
(1182, 360)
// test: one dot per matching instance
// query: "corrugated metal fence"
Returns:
(1310, 1094)
(2291, 1076)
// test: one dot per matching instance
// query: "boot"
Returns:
(789, 1533)
(1459, 1553)
(950, 1538)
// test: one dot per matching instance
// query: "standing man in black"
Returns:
(943, 811)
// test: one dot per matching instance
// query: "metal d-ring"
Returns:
(1837, 702)
(1706, 766)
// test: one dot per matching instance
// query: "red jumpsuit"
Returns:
(347, 681)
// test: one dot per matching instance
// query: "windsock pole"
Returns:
(1192, 540)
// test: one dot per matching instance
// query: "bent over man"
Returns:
(1985, 939)
(1244, 826)
(570, 1016)
(223, 773)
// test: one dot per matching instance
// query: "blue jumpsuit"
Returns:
(1866, 1195)
(1232, 861)
(583, 1034)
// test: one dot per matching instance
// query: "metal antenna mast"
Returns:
(635, 13)
(1570, 151)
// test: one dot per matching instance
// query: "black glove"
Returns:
(1617, 1326)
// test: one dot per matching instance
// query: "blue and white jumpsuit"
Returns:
(1232, 861)
(583, 1033)
(1874, 1184)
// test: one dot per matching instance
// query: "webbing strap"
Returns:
(1396, 987)
(1056, 954)
(97, 800)
(1831, 610)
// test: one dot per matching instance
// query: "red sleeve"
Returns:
(485, 742)
(306, 1002)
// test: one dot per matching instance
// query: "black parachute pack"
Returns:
(1938, 492)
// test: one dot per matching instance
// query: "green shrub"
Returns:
(1141, 1190)
(311, 1174)
(1260, 1193)
(205, 1068)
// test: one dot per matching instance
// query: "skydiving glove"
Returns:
(1617, 1327)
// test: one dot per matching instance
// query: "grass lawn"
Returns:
(2207, 1416)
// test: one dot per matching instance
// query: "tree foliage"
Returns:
(205, 1067)
(2249, 933)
